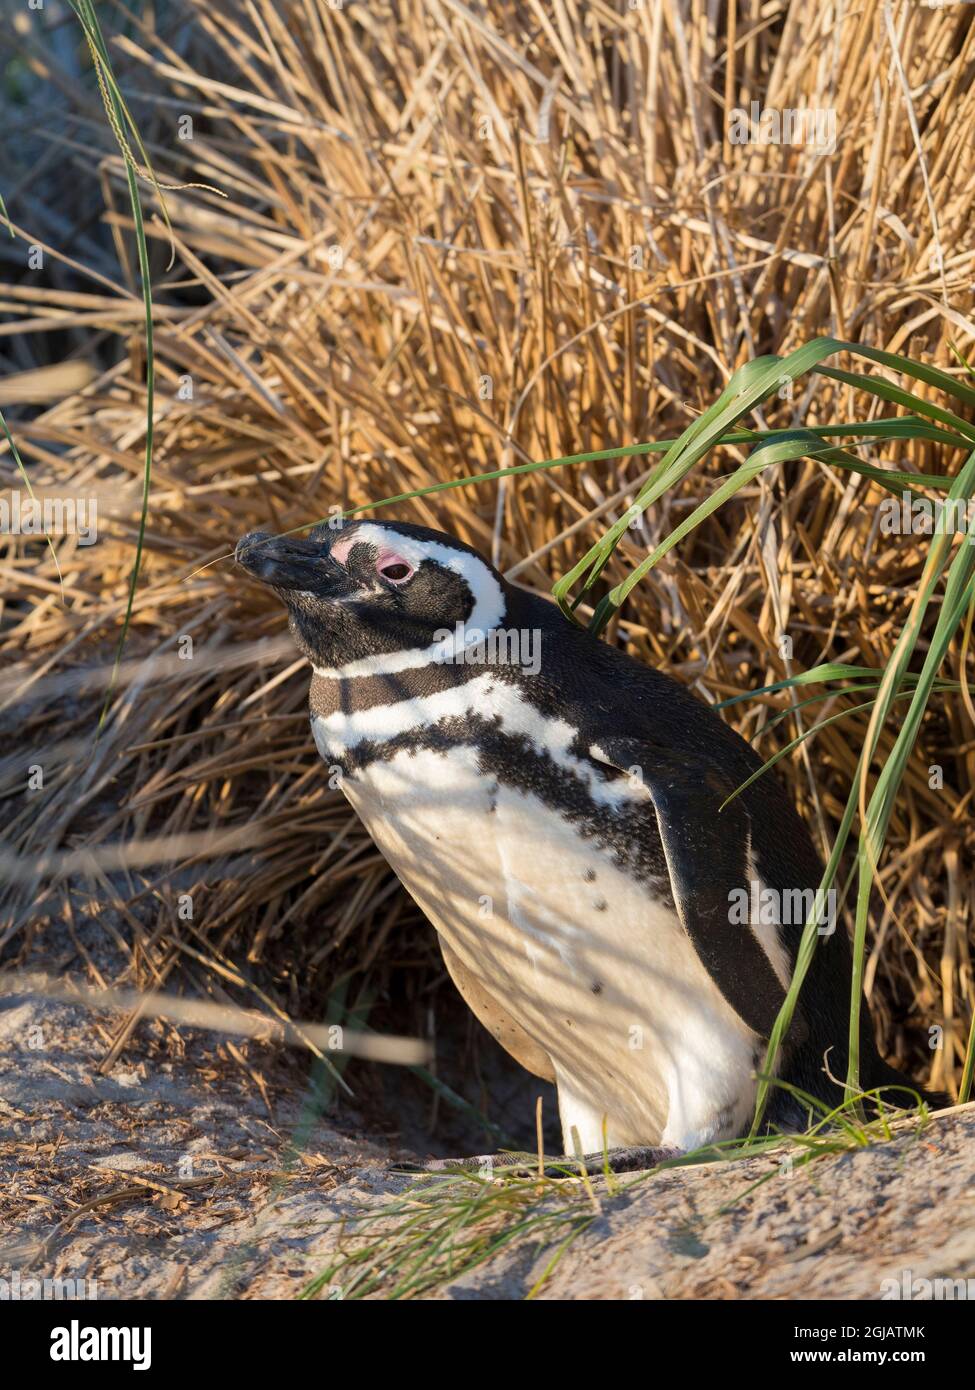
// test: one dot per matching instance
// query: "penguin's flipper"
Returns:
(707, 854)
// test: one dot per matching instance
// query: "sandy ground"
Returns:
(195, 1177)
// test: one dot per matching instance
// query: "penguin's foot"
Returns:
(632, 1159)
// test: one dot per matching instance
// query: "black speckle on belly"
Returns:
(596, 987)
(600, 904)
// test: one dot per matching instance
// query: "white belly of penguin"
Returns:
(576, 953)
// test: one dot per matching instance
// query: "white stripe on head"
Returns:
(487, 613)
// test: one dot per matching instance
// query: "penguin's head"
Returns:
(366, 590)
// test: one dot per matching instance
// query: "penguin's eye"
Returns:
(394, 568)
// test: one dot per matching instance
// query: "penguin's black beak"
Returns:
(288, 562)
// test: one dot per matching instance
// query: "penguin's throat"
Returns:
(334, 694)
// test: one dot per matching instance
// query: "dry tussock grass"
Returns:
(456, 238)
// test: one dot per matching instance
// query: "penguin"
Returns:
(559, 811)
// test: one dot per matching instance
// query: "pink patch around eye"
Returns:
(393, 567)
(340, 550)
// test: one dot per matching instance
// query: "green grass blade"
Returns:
(896, 395)
(881, 802)
(116, 108)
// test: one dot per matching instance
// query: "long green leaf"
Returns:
(110, 91)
